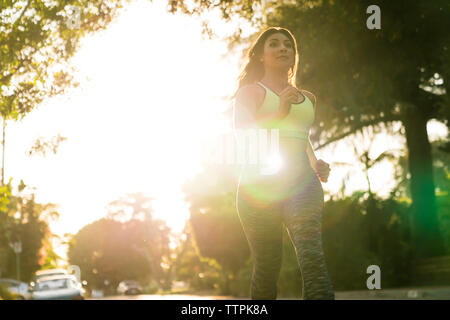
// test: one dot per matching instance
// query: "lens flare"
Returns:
(271, 165)
(276, 181)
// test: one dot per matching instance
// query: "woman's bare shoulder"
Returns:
(252, 89)
(253, 93)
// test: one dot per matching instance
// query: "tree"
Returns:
(442, 173)
(365, 77)
(104, 250)
(138, 207)
(215, 224)
(23, 219)
(37, 39)
(189, 265)
(362, 146)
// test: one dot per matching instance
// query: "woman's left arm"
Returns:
(321, 168)
(311, 155)
(309, 149)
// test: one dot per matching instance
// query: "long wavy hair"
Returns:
(253, 70)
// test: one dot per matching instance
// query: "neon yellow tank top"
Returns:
(296, 124)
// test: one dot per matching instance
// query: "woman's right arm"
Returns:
(244, 108)
(248, 100)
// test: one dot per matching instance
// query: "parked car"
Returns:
(46, 273)
(49, 272)
(17, 287)
(58, 287)
(129, 287)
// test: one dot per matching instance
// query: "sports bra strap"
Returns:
(260, 83)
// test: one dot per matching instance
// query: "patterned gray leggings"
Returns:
(301, 212)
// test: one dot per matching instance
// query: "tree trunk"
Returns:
(3, 153)
(227, 290)
(372, 218)
(426, 236)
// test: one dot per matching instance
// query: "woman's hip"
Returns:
(295, 179)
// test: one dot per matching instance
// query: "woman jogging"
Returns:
(291, 193)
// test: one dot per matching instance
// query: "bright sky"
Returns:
(138, 123)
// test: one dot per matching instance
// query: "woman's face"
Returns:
(278, 52)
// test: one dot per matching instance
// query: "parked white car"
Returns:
(17, 287)
(49, 272)
(65, 287)
(46, 273)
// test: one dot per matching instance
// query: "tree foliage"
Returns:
(25, 220)
(215, 224)
(37, 39)
(201, 273)
(108, 250)
(130, 244)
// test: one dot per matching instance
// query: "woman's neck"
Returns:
(277, 79)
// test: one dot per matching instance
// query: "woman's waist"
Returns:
(278, 166)
(281, 155)
(292, 151)
(293, 147)
(282, 177)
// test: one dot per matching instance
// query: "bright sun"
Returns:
(137, 125)
(157, 95)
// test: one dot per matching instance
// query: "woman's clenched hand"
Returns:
(288, 96)
(322, 170)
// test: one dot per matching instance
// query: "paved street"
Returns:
(166, 297)
(424, 293)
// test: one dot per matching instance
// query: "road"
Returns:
(168, 297)
(424, 293)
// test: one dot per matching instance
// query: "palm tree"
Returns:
(362, 147)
